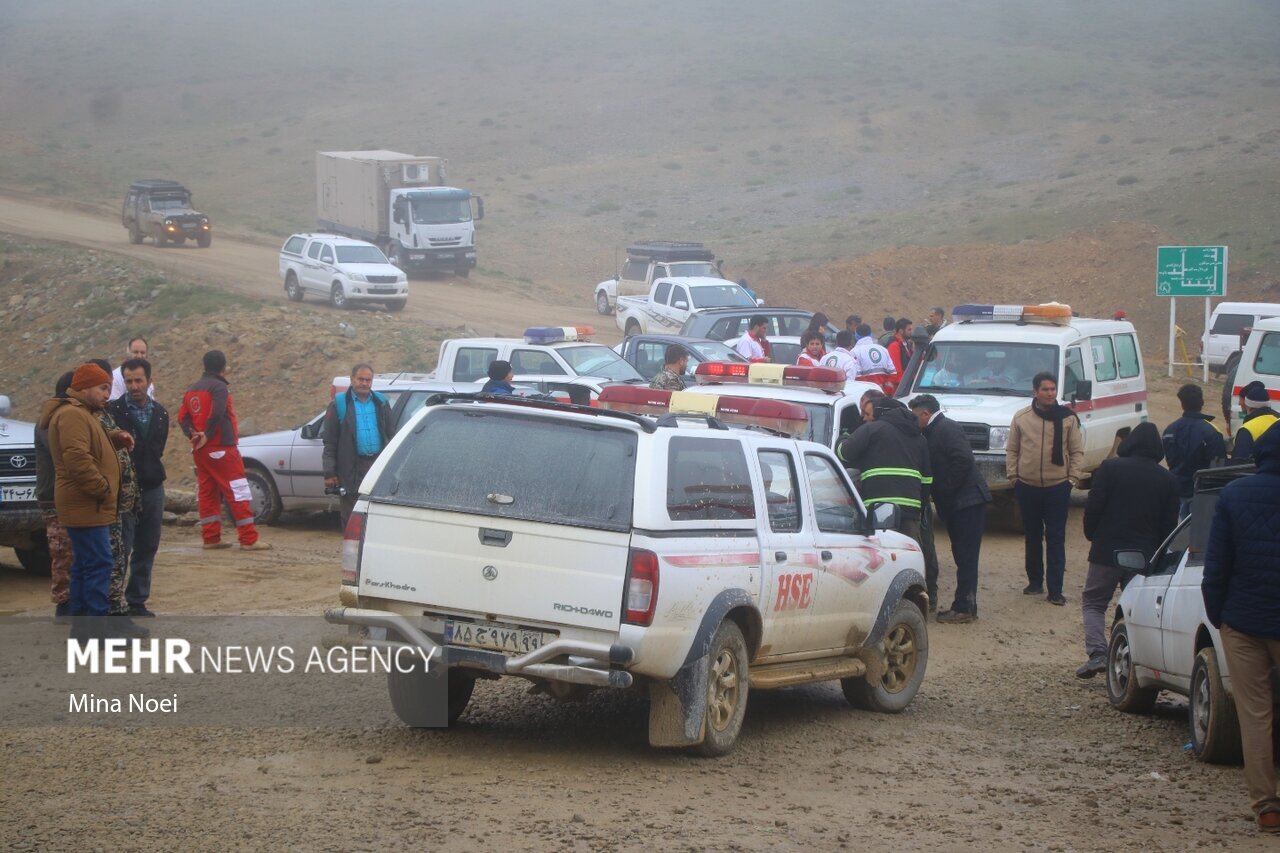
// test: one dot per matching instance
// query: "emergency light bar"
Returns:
(826, 379)
(1048, 312)
(777, 415)
(557, 334)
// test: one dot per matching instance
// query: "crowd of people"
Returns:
(100, 445)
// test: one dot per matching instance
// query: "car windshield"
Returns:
(695, 268)
(440, 211)
(168, 202)
(721, 296)
(713, 351)
(361, 255)
(598, 360)
(986, 366)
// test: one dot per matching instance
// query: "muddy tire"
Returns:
(395, 253)
(135, 235)
(338, 296)
(291, 287)
(726, 690)
(602, 303)
(158, 236)
(35, 560)
(1123, 691)
(411, 693)
(264, 499)
(633, 328)
(204, 241)
(1215, 728)
(906, 648)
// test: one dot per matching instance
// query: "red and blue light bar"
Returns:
(827, 379)
(557, 334)
(777, 415)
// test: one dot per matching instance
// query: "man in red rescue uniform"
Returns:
(209, 420)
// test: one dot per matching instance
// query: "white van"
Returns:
(981, 365)
(1259, 360)
(1228, 324)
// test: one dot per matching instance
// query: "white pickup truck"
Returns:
(346, 272)
(544, 353)
(671, 301)
(603, 547)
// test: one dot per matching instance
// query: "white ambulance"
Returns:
(640, 542)
(980, 368)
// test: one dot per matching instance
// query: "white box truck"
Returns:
(399, 203)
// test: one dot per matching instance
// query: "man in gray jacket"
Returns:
(357, 425)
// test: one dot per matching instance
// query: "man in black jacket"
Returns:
(891, 458)
(1132, 506)
(148, 422)
(961, 495)
(357, 425)
(1191, 444)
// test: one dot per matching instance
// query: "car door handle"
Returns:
(779, 556)
(1159, 600)
(825, 555)
(496, 538)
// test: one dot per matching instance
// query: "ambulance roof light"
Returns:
(775, 415)
(1054, 313)
(826, 379)
(557, 334)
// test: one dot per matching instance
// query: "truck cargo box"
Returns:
(352, 186)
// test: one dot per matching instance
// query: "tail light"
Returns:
(352, 537)
(642, 588)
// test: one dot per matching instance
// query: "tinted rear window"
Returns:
(514, 466)
(1231, 324)
(707, 480)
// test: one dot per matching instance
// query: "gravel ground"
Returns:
(1003, 748)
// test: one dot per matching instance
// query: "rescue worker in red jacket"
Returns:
(208, 419)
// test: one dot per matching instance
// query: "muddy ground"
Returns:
(1003, 747)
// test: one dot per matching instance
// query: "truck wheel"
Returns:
(633, 328)
(35, 560)
(291, 288)
(726, 690)
(906, 653)
(264, 499)
(135, 235)
(1215, 728)
(158, 236)
(1123, 691)
(204, 240)
(463, 272)
(337, 296)
(602, 303)
(412, 692)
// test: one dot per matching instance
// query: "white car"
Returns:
(343, 271)
(21, 524)
(604, 547)
(1228, 325)
(1161, 638)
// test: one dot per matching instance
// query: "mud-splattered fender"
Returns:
(898, 588)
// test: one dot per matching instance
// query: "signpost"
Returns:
(1190, 271)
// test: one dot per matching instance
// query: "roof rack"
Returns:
(154, 184)
(670, 250)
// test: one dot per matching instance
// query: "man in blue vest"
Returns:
(357, 425)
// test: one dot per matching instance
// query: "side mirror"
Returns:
(1134, 561)
(6, 406)
(681, 305)
(1084, 390)
(312, 430)
(886, 516)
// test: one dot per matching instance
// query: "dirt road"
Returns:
(250, 268)
(1003, 748)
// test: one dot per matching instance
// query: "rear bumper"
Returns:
(575, 662)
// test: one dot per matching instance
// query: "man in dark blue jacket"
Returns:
(961, 495)
(1241, 588)
(148, 422)
(1191, 444)
(1133, 505)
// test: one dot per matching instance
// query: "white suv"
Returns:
(585, 547)
(346, 272)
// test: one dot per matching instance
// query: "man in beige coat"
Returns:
(1045, 458)
(86, 486)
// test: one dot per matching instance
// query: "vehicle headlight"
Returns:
(999, 438)
(355, 276)
(402, 279)
(204, 220)
(168, 222)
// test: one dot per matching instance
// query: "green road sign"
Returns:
(1191, 271)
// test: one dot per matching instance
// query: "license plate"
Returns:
(418, 257)
(445, 256)
(17, 493)
(503, 638)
